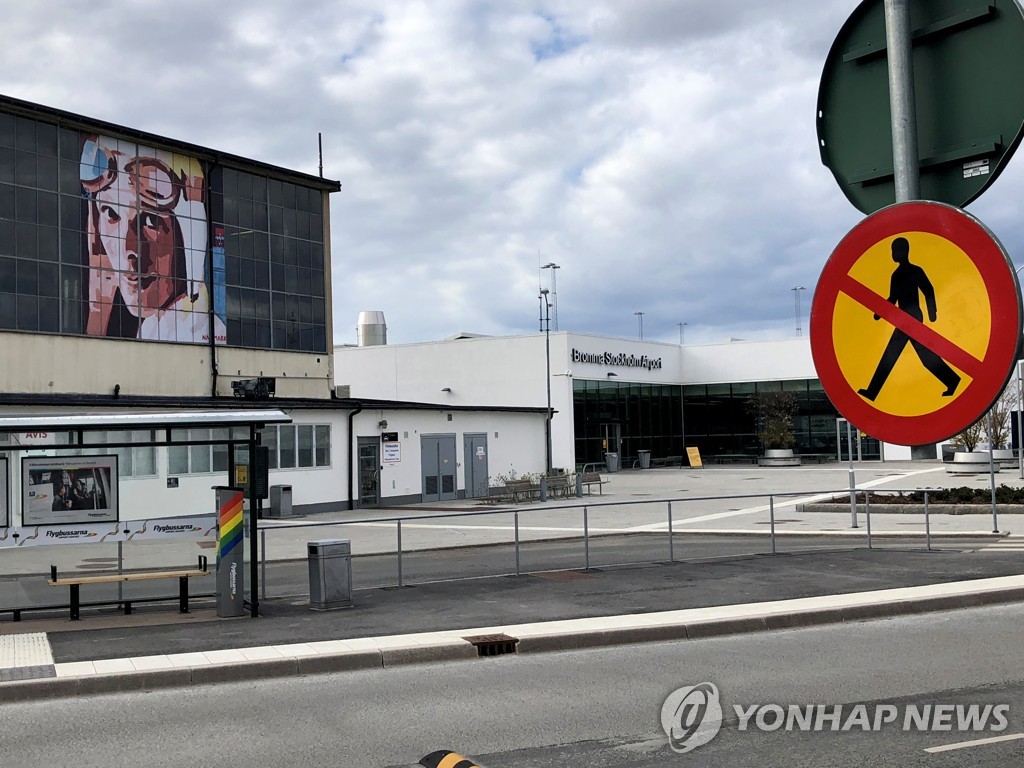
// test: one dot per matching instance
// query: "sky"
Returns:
(661, 152)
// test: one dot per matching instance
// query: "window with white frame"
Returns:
(132, 460)
(298, 446)
(200, 459)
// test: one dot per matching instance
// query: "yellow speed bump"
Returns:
(447, 759)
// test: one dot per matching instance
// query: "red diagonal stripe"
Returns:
(914, 328)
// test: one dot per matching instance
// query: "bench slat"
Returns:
(116, 577)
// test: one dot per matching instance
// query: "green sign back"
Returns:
(968, 64)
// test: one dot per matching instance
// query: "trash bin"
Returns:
(611, 461)
(330, 574)
(280, 501)
(645, 459)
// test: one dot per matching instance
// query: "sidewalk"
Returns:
(156, 646)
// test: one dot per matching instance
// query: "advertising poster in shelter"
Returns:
(69, 489)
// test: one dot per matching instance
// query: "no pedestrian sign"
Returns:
(915, 323)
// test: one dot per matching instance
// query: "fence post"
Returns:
(671, 544)
(120, 569)
(867, 514)
(927, 524)
(400, 584)
(771, 520)
(586, 540)
(263, 563)
(517, 542)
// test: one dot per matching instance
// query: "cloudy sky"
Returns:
(661, 152)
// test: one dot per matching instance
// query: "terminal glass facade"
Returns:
(627, 417)
(719, 423)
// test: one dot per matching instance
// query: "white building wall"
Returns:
(742, 361)
(515, 444)
(501, 371)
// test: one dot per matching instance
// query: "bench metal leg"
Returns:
(183, 594)
(74, 602)
(127, 607)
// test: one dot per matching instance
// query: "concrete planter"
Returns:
(970, 463)
(1004, 458)
(779, 457)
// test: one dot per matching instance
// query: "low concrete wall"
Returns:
(915, 509)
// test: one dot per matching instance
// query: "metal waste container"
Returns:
(645, 459)
(611, 461)
(330, 574)
(280, 501)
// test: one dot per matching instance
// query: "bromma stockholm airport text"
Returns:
(621, 359)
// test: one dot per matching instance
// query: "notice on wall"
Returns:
(74, 489)
(392, 453)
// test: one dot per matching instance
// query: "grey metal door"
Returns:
(369, 472)
(475, 463)
(437, 464)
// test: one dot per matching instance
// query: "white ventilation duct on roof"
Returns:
(371, 330)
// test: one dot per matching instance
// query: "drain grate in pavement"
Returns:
(563, 575)
(493, 645)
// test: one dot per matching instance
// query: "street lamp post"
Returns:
(681, 326)
(554, 289)
(796, 295)
(545, 325)
(640, 317)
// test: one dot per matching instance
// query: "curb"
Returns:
(534, 639)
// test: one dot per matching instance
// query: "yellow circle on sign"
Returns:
(963, 317)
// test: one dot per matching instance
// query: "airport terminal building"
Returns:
(616, 395)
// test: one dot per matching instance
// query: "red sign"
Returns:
(915, 323)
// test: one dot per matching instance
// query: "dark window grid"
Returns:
(6, 165)
(7, 131)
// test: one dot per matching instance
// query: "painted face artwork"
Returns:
(146, 242)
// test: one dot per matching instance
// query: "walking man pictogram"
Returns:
(907, 281)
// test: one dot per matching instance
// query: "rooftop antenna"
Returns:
(320, 147)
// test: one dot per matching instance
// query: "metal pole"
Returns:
(796, 296)
(586, 540)
(263, 563)
(1020, 422)
(400, 584)
(853, 480)
(992, 474)
(771, 519)
(927, 524)
(517, 543)
(545, 320)
(671, 544)
(120, 569)
(867, 514)
(905, 157)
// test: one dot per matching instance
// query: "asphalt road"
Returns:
(597, 708)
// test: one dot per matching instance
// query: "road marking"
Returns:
(975, 743)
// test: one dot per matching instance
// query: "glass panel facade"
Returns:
(101, 236)
(718, 422)
(642, 416)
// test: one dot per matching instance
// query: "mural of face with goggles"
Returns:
(147, 243)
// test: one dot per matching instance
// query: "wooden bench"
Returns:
(558, 485)
(590, 479)
(74, 583)
(522, 489)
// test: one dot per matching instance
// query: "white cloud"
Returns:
(663, 152)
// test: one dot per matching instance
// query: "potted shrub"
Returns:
(773, 414)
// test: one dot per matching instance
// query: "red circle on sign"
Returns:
(996, 270)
